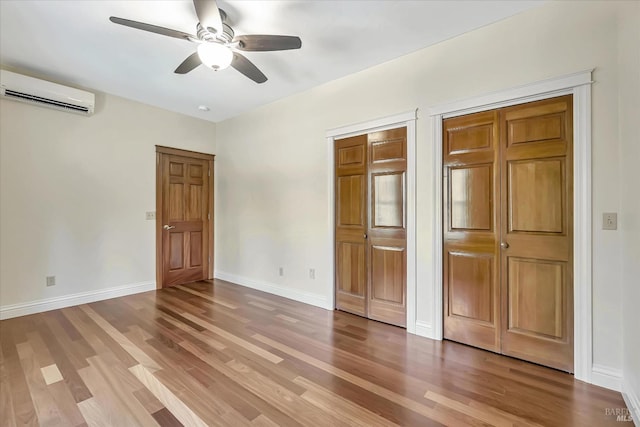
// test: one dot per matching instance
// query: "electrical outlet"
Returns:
(151, 215)
(51, 280)
(281, 271)
(312, 273)
(609, 221)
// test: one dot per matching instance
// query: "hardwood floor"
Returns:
(224, 355)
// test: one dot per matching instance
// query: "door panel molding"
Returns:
(181, 181)
(576, 84)
(408, 120)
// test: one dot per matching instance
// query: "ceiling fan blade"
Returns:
(247, 68)
(188, 64)
(152, 28)
(262, 43)
(208, 14)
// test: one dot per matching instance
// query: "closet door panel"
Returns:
(470, 254)
(351, 225)
(387, 258)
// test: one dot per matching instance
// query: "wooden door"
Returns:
(351, 224)
(470, 249)
(508, 231)
(387, 233)
(537, 232)
(184, 222)
(370, 233)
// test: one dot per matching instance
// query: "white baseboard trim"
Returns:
(39, 306)
(632, 399)
(606, 377)
(424, 329)
(304, 297)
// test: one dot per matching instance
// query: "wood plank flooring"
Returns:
(223, 355)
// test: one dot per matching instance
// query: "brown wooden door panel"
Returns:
(350, 192)
(176, 250)
(537, 279)
(351, 276)
(470, 194)
(470, 270)
(387, 297)
(184, 221)
(186, 210)
(471, 299)
(536, 195)
(387, 234)
(351, 225)
(536, 302)
(387, 200)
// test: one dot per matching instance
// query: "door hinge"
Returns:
(208, 216)
(209, 172)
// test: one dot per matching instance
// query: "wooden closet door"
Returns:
(370, 233)
(508, 231)
(387, 233)
(351, 224)
(537, 232)
(470, 245)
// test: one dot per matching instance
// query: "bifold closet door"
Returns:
(470, 252)
(508, 231)
(387, 233)
(370, 230)
(351, 224)
(537, 232)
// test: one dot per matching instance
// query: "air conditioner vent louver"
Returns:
(43, 93)
(39, 100)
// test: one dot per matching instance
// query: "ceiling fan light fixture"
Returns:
(215, 55)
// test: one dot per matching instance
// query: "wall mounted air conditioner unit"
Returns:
(21, 88)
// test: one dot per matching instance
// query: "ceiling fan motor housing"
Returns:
(210, 35)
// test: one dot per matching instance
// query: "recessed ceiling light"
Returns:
(203, 108)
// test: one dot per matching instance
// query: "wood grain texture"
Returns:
(471, 281)
(508, 232)
(387, 232)
(370, 229)
(177, 357)
(537, 266)
(351, 224)
(184, 202)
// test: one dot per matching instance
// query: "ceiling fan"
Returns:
(217, 43)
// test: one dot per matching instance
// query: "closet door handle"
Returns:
(365, 235)
(504, 245)
(168, 227)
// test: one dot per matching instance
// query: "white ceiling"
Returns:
(73, 42)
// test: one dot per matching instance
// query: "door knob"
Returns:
(504, 245)
(365, 235)
(168, 227)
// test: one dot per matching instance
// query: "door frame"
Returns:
(408, 120)
(576, 84)
(162, 150)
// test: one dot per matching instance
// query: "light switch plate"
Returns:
(609, 221)
(151, 215)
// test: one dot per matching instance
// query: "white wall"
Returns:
(629, 107)
(74, 191)
(272, 174)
